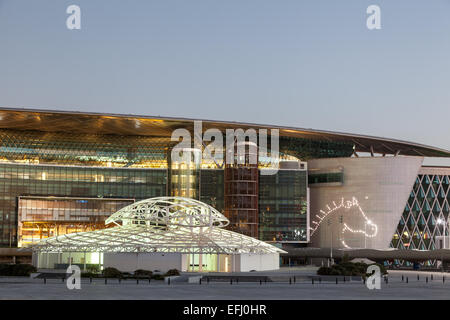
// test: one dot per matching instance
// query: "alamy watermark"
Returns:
(74, 279)
(374, 280)
(239, 146)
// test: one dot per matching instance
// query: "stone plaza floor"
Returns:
(27, 288)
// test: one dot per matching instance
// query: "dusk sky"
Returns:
(311, 64)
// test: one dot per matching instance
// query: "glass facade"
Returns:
(43, 217)
(328, 177)
(47, 180)
(58, 148)
(184, 174)
(283, 206)
(212, 188)
(422, 221)
(306, 149)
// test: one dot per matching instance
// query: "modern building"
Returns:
(64, 172)
(161, 233)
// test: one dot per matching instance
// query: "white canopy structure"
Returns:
(161, 225)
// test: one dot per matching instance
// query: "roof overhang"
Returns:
(121, 124)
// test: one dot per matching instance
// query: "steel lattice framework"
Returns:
(163, 224)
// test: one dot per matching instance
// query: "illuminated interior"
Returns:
(44, 217)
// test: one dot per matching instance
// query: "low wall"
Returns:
(129, 262)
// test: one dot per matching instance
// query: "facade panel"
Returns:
(364, 210)
(283, 206)
(425, 215)
(47, 180)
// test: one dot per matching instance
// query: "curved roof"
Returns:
(163, 224)
(120, 124)
(170, 212)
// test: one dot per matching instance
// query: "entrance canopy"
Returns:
(163, 224)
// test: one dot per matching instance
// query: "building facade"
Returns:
(62, 172)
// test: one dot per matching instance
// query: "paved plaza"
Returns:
(26, 288)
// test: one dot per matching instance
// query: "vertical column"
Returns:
(241, 191)
(184, 173)
(218, 262)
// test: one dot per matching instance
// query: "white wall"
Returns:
(258, 262)
(380, 184)
(129, 262)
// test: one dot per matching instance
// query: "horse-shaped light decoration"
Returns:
(351, 210)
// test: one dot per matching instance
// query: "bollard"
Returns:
(265, 280)
(344, 278)
(137, 280)
(406, 279)
(237, 280)
(200, 281)
(168, 281)
(312, 280)
(431, 277)
(106, 280)
(260, 282)
(320, 280)
(417, 277)
(45, 280)
(62, 279)
(443, 279)
(149, 279)
(290, 281)
(403, 278)
(426, 279)
(120, 280)
(90, 280)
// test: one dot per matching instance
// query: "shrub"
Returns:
(361, 267)
(172, 272)
(158, 277)
(111, 273)
(93, 268)
(143, 273)
(89, 275)
(382, 268)
(16, 270)
(324, 271)
(348, 269)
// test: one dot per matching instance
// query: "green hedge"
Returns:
(111, 273)
(348, 269)
(16, 270)
(158, 277)
(172, 272)
(143, 273)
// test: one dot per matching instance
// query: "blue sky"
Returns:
(311, 64)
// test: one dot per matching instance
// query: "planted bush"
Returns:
(158, 277)
(348, 269)
(324, 271)
(382, 268)
(172, 272)
(112, 273)
(89, 275)
(16, 270)
(143, 273)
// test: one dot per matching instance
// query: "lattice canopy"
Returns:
(163, 224)
(170, 212)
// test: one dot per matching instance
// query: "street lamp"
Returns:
(443, 222)
(331, 241)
